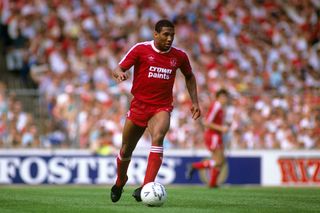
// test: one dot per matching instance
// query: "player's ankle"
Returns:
(121, 183)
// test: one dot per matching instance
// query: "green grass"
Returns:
(184, 199)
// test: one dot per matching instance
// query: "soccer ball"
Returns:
(153, 194)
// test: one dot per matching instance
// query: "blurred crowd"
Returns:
(266, 53)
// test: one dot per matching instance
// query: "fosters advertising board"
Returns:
(269, 168)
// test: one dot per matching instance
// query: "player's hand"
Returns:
(120, 76)
(224, 129)
(196, 112)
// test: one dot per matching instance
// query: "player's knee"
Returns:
(220, 162)
(126, 152)
(157, 139)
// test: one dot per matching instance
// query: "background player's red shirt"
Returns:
(215, 115)
(154, 72)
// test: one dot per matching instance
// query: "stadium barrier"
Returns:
(266, 168)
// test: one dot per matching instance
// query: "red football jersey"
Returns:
(215, 115)
(154, 72)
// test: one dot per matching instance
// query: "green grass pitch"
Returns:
(184, 199)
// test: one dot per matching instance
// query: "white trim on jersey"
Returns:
(216, 107)
(157, 50)
(140, 43)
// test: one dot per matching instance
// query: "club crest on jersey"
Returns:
(173, 62)
(151, 58)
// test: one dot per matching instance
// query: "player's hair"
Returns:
(222, 92)
(163, 23)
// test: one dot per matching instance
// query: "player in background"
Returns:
(215, 129)
(155, 63)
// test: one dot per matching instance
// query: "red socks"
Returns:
(154, 163)
(201, 165)
(214, 172)
(204, 164)
(122, 168)
(214, 177)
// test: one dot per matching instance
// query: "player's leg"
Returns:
(191, 168)
(218, 160)
(205, 164)
(211, 143)
(158, 126)
(130, 137)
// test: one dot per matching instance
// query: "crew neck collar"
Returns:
(157, 50)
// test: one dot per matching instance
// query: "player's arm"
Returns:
(217, 127)
(120, 74)
(192, 89)
(129, 60)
